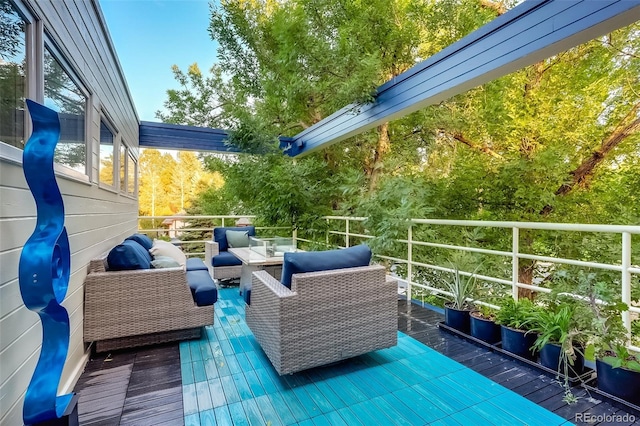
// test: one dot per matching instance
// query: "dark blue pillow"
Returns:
(141, 239)
(220, 235)
(128, 255)
(295, 263)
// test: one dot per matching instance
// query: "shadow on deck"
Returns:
(145, 386)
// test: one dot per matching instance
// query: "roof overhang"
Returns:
(528, 33)
(184, 138)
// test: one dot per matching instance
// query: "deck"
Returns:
(431, 377)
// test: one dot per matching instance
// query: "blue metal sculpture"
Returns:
(44, 268)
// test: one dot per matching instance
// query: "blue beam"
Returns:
(530, 32)
(184, 138)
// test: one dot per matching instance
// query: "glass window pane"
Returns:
(131, 176)
(106, 155)
(123, 181)
(63, 95)
(12, 75)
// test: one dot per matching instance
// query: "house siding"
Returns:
(96, 217)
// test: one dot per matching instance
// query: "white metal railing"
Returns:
(625, 267)
(184, 226)
(348, 235)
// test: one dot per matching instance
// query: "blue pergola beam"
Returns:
(184, 138)
(528, 33)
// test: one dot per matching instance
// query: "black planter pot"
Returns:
(485, 329)
(518, 342)
(620, 382)
(550, 358)
(456, 318)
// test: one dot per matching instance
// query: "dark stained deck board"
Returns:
(132, 387)
(145, 386)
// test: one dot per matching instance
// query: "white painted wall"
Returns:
(96, 218)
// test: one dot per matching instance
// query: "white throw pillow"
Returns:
(164, 248)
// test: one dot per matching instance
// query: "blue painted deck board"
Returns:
(207, 418)
(227, 379)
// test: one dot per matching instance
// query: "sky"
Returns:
(152, 35)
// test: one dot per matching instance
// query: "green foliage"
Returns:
(516, 313)
(554, 324)
(602, 320)
(507, 150)
(281, 192)
(461, 286)
(199, 102)
(621, 357)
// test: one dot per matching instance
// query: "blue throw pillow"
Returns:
(128, 255)
(295, 263)
(141, 239)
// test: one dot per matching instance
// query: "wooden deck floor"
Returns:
(150, 386)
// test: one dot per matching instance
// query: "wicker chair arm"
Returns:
(211, 248)
(263, 279)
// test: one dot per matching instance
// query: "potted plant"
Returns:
(483, 324)
(617, 368)
(515, 319)
(560, 341)
(462, 288)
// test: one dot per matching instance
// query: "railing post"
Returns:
(223, 221)
(626, 279)
(326, 234)
(294, 237)
(409, 260)
(515, 262)
(346, 234)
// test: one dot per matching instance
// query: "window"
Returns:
(13, 76)
(106, 155)
(63, 95)
(122, 164)
(131, 175)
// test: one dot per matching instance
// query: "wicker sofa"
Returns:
(131, 308)
(326, 316)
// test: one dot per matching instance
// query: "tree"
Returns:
(556, 141)
(199, 101)
(296, 62)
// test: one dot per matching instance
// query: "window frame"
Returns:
(10, 152)
(130, 159)
(49, 45)
(108, 122)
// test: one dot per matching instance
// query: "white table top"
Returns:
(250, 257)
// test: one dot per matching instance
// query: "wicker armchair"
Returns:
(326, 317)
(230, 268)
(125, 309)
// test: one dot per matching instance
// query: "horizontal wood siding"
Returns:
(96, 218)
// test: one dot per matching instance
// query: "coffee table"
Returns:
(253, 261)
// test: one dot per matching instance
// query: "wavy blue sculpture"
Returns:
(44, 268)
